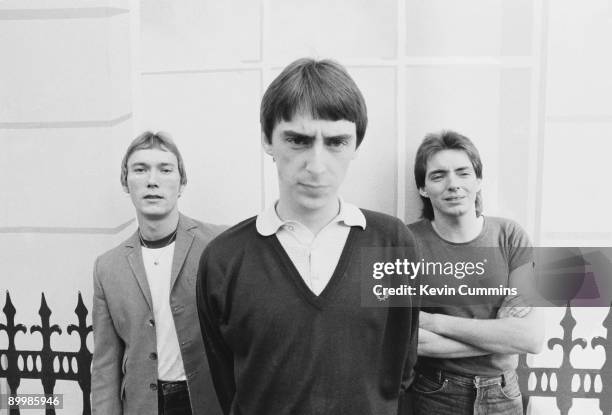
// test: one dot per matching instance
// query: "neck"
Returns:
(462, 228)
(153, 229)
(315, 219)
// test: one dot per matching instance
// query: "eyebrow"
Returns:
(143, 163)
(339, 136)
(291, 133)
(438, 171)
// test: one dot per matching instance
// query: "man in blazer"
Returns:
(149, 355)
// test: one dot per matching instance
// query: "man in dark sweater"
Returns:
(279, 295)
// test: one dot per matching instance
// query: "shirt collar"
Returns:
(268, 222)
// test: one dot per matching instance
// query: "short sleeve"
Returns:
(519, 245)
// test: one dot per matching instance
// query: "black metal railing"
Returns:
(565, 383)
(46, 364)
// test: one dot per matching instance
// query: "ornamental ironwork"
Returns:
(46, 364)
(564, 383)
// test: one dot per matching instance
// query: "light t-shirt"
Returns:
(158, 267)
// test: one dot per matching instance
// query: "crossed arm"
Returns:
(518, 328)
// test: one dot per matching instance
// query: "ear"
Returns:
(126, 189)
(355, 153)
(266, 145)
(478, 185)
(181, 188)
(423, 192)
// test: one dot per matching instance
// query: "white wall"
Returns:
(528, 81)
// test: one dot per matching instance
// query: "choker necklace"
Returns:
(166, 241)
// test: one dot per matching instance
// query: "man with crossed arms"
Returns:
(468, 350)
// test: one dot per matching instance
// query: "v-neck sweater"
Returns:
(274, 347)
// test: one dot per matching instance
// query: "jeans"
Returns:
(173, 398)
(443, 393)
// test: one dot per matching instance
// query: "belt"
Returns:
(440, 375)
(166, 387)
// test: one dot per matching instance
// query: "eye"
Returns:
(138, 169)
(166, 170)
(337, 142)
(436, 177)
(298, 141)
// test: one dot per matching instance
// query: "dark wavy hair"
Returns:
(434, 143)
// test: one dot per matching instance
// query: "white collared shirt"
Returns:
(314, 256)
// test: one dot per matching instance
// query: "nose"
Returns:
(152, 178)
(315, 163)
(453, 183)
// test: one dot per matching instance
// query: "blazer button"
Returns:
(153, 356)
(153, 386)
(152, 323)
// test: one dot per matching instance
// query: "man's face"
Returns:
(451, 184)
(153, 182)
(312, 157)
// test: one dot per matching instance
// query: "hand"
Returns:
(427, 321)
(513, 306)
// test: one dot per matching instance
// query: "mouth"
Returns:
(313, 186)
(153, 197)
(454, 198)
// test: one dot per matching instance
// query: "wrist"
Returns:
(438, 324)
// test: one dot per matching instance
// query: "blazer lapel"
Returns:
(134, 258)
(184, 239)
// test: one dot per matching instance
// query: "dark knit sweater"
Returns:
(276, 348)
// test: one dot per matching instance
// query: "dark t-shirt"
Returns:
(501, 247)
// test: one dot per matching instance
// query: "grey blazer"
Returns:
(124, 370)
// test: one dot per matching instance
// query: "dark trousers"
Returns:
(173, 398)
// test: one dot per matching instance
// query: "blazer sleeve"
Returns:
(106, 376)
(210, 297)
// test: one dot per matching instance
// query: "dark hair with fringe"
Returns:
(147, 140)
(434, 143)
(323, 89)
